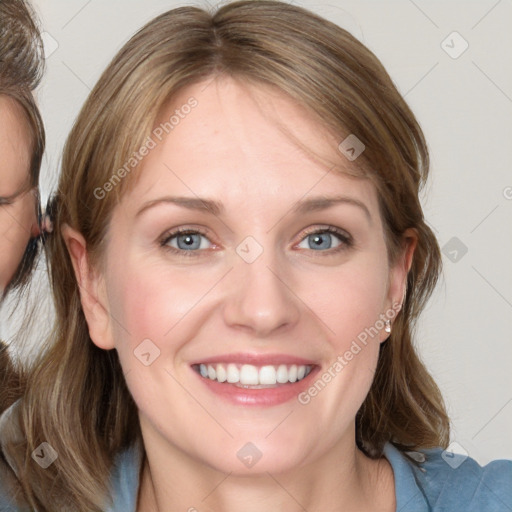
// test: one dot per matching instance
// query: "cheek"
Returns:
(151, 302)
(348, 300)
(153, 310)
(350, 303)
(15, 227)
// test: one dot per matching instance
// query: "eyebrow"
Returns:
(216, 208)
(324, 202)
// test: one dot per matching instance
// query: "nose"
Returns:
(260, 300)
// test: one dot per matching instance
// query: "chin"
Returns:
(257, 457)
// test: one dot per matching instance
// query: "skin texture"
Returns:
(293, 299)
(18, 220)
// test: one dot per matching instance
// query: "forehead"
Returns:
(242, 141)
(14, 145)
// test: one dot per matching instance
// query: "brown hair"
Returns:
(76, 398)
(10, 379)
(21, 69)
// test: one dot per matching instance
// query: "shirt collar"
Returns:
(409, 496)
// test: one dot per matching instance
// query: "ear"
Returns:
(92, 290)
(399, 272)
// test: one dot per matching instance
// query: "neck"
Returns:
(342, 480)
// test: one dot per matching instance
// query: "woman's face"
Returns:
(255, 288)
(18, 220)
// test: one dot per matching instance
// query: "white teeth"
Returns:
(233, 375)
(282, 374)
(221, 373)
(267, 375)
(250, 375)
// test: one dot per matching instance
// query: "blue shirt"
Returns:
(435, 485)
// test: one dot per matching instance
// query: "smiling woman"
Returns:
(235, 315)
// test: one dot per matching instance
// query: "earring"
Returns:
(387, 328)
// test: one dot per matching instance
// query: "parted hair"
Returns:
(76, 398)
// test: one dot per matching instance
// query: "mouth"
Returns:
(250, 376)
(249, 380)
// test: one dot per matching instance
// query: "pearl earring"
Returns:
(387, 328)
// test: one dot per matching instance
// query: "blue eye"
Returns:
(325, 239)
(187, 240)
(191, 242)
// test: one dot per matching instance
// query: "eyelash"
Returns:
(345, 239)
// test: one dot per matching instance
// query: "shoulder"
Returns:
(7, 503)
(124, 479)
(8, 482)
(450, 481)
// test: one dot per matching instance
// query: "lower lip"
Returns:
(265, 397)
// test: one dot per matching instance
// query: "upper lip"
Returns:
(256, 359)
